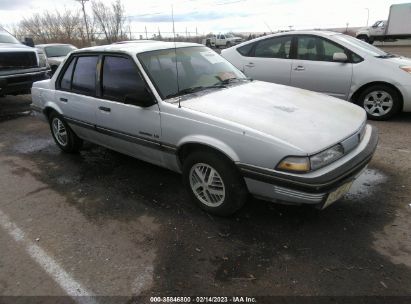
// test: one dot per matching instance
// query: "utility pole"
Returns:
(85, 17)
(368, 14)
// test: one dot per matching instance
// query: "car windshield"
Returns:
(58, 50)
(197, 69)
(363, 46)
(7, 38)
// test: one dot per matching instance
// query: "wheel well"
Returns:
(47, 111)
(356, 95)
(188, 148)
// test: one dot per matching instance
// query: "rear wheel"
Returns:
(214, 183)
(64, 137)
(228, 44)
(380, 102)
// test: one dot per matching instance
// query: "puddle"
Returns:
(32, 144)
(366, 184)
(394, 241)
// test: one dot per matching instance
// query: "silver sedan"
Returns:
(329, 63)
(185, 108)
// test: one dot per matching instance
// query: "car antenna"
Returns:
(175, 53)
(268, 27)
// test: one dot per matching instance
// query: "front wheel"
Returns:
(214, 183)
(62, 134)
(380, 102)
(363, 38)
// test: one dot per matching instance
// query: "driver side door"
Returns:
(124, 124)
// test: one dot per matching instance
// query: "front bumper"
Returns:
(21, 83)
(315, 187)
(406, 96)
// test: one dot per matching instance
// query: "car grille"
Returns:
(18, 60)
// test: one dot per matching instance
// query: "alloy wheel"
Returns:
(59, 131)
(378, 103)
(207, 185)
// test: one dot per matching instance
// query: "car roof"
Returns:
(135, 41)
(288, 33)
(134, 48)
(52, 44)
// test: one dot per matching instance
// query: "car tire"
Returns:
(381, 102)
(228, 44)
(214, 183)
(363, 38)
(63, 135)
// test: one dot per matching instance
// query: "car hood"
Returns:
(306, 120)
(398, 60)
(57, 60)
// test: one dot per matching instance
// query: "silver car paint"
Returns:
(331, 78)
(256, 123)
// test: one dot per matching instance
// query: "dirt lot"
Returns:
(101, 223)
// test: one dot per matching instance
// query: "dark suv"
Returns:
(20, 66)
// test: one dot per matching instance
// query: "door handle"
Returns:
(105, 109)
(63, 99)
(299, 68)
(250, 65)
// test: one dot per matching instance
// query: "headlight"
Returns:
(406, 68)
(295, 164)
(326, 157)
(43, 62)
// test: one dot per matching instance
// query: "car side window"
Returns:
(316, 49)
(278, 47)
(84, 76)
(245, 49)
(65, 82)
(330, 49)
(121, 79)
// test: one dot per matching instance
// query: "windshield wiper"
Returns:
(221, 84)
(192, 90)
(231, 80)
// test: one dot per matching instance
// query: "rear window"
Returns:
(84, 77)
(65, 82)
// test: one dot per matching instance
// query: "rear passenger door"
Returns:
(124, 124)
(76, 94)
(270, 60)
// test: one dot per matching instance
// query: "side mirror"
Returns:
(28, 41)
(340, 57)
(144, 100)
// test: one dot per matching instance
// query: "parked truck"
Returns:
(221, 40)
(20, 66)
(398, 26)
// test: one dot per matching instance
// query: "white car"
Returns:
(183, 107)
(55, 52)
(330, 63)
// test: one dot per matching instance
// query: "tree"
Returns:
(110, 20)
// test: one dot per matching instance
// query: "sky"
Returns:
(205, 16)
